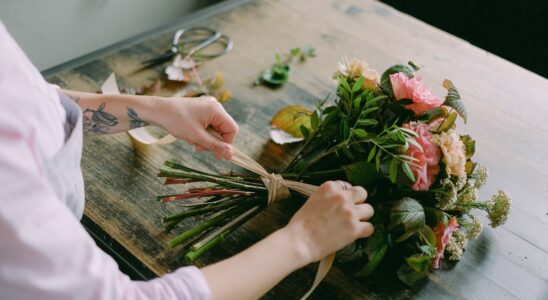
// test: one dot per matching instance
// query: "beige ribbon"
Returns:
(278, 188)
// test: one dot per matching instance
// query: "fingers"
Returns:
(358, 194)
(209, 142)
(365, 229)
(223, 122)
(364, 211)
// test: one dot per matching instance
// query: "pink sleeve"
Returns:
(44, 251)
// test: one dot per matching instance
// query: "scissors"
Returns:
(192, 42)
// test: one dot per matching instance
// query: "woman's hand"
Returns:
(189, 118)
(333, 217)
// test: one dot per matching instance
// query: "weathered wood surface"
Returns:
(507, 106)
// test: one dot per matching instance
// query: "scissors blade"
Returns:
(159, 59)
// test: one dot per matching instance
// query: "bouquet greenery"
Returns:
(389, 134)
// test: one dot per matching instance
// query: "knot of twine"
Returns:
(276, 188)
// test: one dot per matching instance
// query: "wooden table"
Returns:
(508, 109)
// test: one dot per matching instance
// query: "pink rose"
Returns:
(416, 90)
(443, 234)
(427, 167)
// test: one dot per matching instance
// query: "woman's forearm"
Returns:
(251, 273)
(103, 114)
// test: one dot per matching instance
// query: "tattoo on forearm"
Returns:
(134, 120)
(98, 121)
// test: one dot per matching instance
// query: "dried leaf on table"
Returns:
(291, 119)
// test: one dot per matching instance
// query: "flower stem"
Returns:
(232, 224)
(205, 225)
(170, 198)
(199, 211)
(218, 236)
(210, 178)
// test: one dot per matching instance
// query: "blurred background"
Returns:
(54, 31)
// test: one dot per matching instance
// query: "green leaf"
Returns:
(348, 153)
(368, 122)
(414, 142)
(427, 235)
(329, 109)
(469, 167)
(408, 276)
(435, 113)
(295, 51)
(419, 263)
(278, 58)
(405, 236)
(344, 129)
(453, 99)
(361, 173)
(358, 84)
(428, 250)
(393, 170)
(447, 123)
(385, 77)
(469, 145)
(409, 213)
(275, 77)
(314, 121)
(369, 110)
(360, 133)
(344, 84)
(407, 170)
(378, 159)
(371, 154)
(376, 248)
(409, 131)
(305, 132)
(357, 102)
(375, 100)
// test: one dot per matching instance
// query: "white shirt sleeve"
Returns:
(44, 251)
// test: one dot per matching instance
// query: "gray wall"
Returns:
(54, 31)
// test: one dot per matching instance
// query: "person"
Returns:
(44, 251)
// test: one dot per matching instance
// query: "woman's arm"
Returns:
(184, 118)
(113, 113)
(331, 219)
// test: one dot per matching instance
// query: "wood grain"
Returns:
(507, 108)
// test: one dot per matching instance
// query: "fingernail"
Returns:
(227, 153)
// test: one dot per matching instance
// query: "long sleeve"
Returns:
(44, 251)
(46, 254)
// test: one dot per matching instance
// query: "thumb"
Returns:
(213, 144)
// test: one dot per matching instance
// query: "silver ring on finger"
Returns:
(343, 184)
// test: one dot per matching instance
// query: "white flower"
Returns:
(456, 245)
(354, 68)
(499, 208)
(453, 152)
(447, 196)
(474, 228)
(480, 174)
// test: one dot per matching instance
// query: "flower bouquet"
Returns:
(389, 134)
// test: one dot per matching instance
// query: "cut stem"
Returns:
(232, 224)
(205, 225)
(215, 179)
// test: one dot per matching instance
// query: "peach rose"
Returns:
(453, 152)
(415, 90)
(426, 167)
